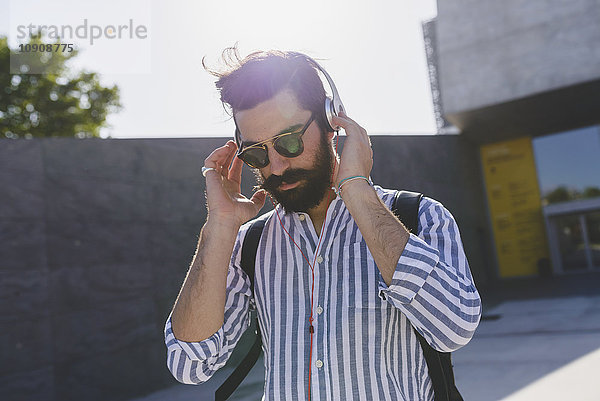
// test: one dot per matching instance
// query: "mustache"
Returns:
(288, 177)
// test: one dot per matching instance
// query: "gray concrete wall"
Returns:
(494, 51)
(446, 168)
(96, 237)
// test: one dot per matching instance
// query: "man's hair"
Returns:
(263, 74)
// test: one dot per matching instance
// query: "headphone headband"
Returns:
(334, 104)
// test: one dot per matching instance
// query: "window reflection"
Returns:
(568, 165)
(571, 243)
(593, 227)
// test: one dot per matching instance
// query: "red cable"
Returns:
(310, 319)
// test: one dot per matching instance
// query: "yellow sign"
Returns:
(515, 206)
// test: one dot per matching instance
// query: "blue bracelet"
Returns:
(345, 180)
(348, 178)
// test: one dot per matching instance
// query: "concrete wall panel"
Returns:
(495, 51)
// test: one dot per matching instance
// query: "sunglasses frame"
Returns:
(272, 140)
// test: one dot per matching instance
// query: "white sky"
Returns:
(373, 51)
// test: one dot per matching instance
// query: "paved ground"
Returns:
(542, 348)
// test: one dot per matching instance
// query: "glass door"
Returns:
(577, 237)
(593, 230)
(571, 243)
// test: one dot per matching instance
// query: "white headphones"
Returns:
(333, 105)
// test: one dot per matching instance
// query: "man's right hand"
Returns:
(223, 188)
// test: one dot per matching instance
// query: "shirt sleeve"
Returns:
(432, 284)
(196, 362)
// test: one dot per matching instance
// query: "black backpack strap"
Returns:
(435, 365)
(406, 208)
(439, 364)
(248, 259)
(250, 247)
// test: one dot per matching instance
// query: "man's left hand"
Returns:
(357, 155)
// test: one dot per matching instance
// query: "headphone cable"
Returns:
(311, 328)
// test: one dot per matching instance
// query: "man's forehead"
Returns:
(270, 117)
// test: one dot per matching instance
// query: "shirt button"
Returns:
(319, 363)
(319, 310)
(319, 259)
(301, 217)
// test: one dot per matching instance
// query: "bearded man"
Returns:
(340, 284)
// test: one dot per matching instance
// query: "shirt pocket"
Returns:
(360, 278)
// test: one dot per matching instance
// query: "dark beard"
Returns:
(313, 188)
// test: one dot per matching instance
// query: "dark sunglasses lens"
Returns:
(289, 145)
(256, 157)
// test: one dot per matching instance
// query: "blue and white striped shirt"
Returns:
(364, 347)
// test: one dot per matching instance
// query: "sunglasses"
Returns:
(288, 144)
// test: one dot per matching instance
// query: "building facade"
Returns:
(520, 79)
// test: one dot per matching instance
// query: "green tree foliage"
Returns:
(58, 103)
(560, 194)
(591, 192)
(563, 194)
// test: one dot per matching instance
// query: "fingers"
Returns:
(232, 147)
(259, 198)
(351, 127)
(220, 158)
(235, 172)
(347, 123)
(343, 114)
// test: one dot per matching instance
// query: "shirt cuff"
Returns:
(205, 350)
(414, 266)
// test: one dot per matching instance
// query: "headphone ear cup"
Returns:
(329, 113)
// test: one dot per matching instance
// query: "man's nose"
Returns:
(277, 163)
